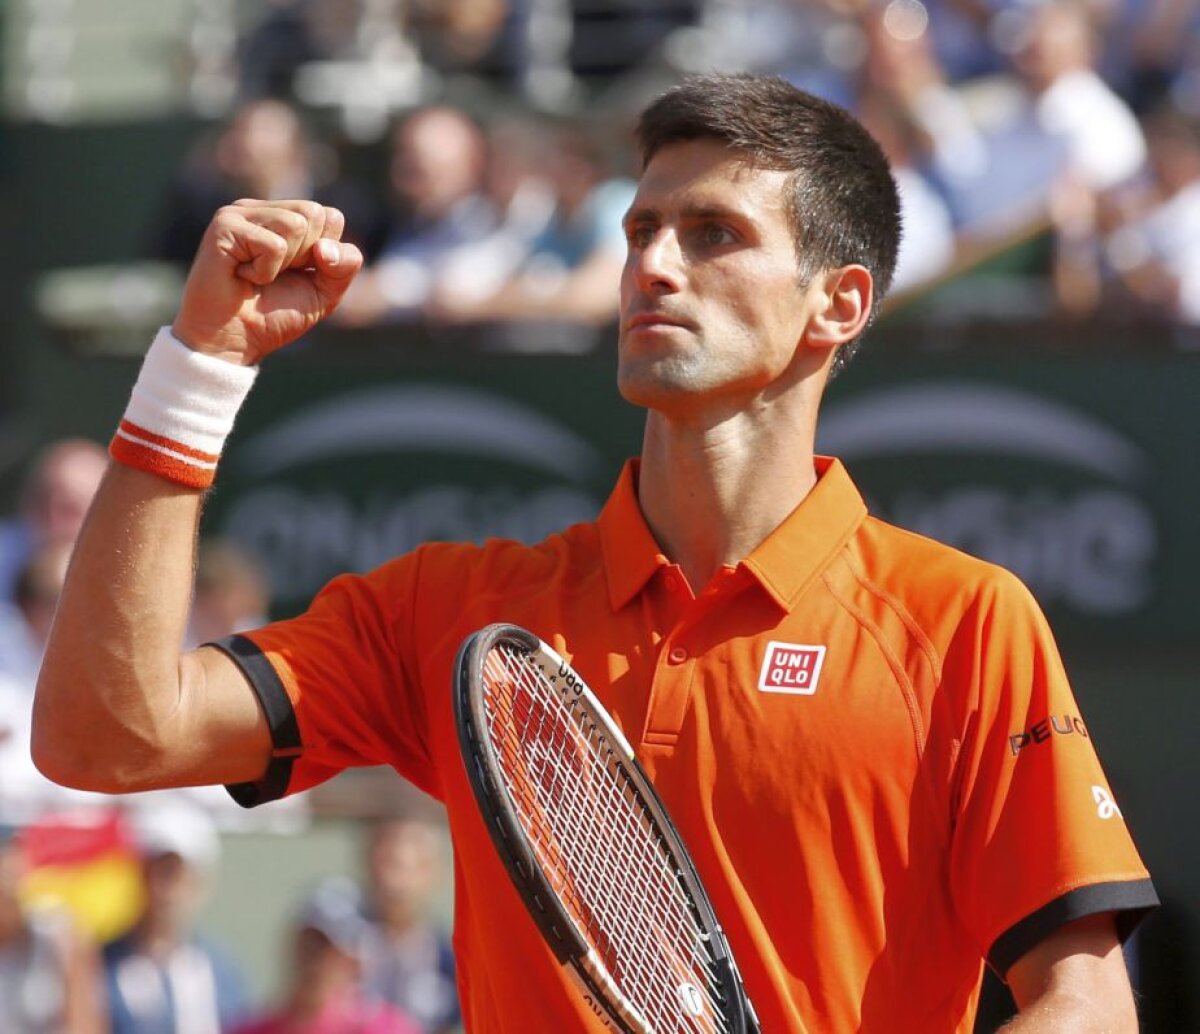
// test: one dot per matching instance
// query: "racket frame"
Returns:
(553, 920)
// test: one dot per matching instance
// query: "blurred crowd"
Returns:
(101, 898)
(1075, 123)
(1071, 123)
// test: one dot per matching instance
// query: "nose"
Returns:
(658, 266)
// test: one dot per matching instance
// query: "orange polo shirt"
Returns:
(865, 738)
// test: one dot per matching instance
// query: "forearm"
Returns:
(1074, 982)
(111, 678)
(1069, 1014)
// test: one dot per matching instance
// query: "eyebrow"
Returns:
(695, 212)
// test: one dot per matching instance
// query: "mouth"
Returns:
(652, 321)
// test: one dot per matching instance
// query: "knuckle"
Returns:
(312, 212)
(295, 222)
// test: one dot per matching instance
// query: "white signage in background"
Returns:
(305, 534)
(1091, 549)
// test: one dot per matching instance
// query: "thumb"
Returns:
(336, 264)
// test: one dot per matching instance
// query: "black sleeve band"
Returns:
(1130, 900)
(277, 706)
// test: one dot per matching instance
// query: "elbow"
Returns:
(83, 752)
(64, 761)
(83, 768)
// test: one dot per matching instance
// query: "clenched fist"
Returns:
(265, 272)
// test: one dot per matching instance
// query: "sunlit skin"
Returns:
(727, 348)
(712, 302)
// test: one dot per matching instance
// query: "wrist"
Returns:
(180, 412)
(210, 344)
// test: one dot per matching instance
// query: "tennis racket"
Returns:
(589, 845)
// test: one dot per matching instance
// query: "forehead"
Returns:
(706, 173)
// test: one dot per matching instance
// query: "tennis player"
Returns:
(866, 739)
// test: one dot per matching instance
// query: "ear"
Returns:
(842, 306)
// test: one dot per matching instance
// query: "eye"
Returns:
(714, 234)
(639, 236)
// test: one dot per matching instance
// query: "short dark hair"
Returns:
(844, 207)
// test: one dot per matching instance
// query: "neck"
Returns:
(712, 492)
(158, 937)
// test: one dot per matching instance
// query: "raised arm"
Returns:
(118, 707)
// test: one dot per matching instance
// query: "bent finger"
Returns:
(261, 253)
(336, 264)
(318, 221)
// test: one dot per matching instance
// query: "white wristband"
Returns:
(180, 413)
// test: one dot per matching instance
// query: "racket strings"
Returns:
(599, 849)
(632, 962)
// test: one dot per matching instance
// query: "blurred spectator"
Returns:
(519, 188)
(927, 244)
(458, 35)
(1151, 50)
(573, 265)
(325, 993)
(610, 40)
(1057, 57)
(265, 151)
(49, 974)
(407, 958)
(231, 593)
(932, 122)
(283, 39)
(436, 175)
(817, 46)
(25, 625)
(1141, 255)
(36, 546)
(53, 502)
(161, 977)
(998, 146)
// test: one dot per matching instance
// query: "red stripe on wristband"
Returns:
(149, 437)
(166, 461)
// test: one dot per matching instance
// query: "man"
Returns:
(407, 960)
(49, 971)
(54, 499)
(927, 800)
(161, 976)
(325, 992)
(441, 211)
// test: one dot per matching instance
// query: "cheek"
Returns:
(627, 288)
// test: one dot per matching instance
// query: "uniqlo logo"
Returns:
(791, 668)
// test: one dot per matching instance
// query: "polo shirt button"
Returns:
(677, 655)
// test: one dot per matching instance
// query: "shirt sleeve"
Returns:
(336, 685)
(1039, 839)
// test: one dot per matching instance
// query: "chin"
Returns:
(654, 386)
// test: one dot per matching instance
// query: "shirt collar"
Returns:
(631, 555)
(803, 545)
(784, 563)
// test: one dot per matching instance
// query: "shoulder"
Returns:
(920, 568)
(937, 590)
